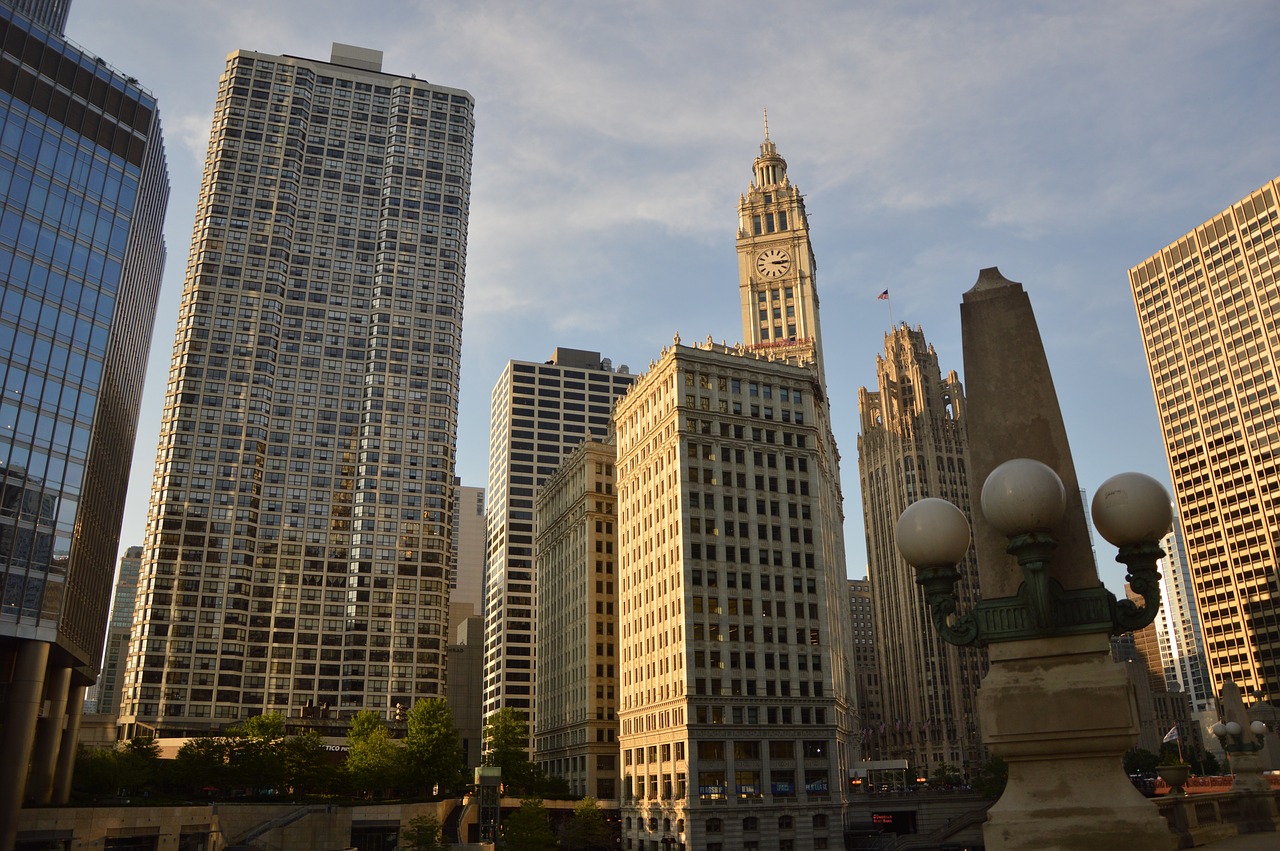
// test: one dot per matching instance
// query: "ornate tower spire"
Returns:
(776, 267)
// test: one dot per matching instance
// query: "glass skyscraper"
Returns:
(83, 190)
(297, 549)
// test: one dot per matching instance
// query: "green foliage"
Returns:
(587, 830)
(991, 778)
(202, 764)
(98, 772)
(946, 774)
(1205, 763)
(365, 724)
(527, 829)
(506, 737)
(423, 834)
(265, 728)
(1170, 755)
(307, 764)
(1139, 761)
(433, 749)
(139, 763)
(375, 763)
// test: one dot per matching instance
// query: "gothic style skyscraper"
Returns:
(914, 445)
(83, 190)
(1206, 306)
(298, 541)
(736, 693)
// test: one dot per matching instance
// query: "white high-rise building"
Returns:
(298, 541)
(1178, 627)
(540, 412)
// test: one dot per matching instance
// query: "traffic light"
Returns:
(399, 713)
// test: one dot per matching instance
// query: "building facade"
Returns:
(866, 669)
(540, 413)
(104, 697)
(736, 699)
(575, 732)
(298, 538)
(736, 694)
(914, 445)
(1206, 308)
(48, 15)
(83, 191)
(466, 558)
(1178, 627)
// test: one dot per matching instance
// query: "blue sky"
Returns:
(1063, 142)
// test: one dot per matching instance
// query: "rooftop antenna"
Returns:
(766, 123)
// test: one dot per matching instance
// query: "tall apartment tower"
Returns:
(1178, 627)
(736, 694)
(466, 559)
(914, 445)
(866, 668)
(298, 539)
(540, 413)
(575, 730)
(1206, 307)
(83, 191)
(106, 693)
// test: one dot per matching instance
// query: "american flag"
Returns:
(884, 296)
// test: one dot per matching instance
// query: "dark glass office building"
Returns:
(83, 190)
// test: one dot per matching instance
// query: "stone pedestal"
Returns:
(1062, 714)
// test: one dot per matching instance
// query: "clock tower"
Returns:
(776, 268)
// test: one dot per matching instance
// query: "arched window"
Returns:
(785, 823)
(715, 825)
(751, 823)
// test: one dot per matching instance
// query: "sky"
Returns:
(1063, 142)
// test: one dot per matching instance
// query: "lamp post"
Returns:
(1053, 704)
(1024, 500)
(1232, 737)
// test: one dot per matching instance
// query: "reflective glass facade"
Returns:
(82, 198)
(83, 190)
(49, 14)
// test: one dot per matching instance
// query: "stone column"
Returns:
(44, 754)
(1053, 706)
(70, 744)
(22, 708)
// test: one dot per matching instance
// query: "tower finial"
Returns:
(766, 123)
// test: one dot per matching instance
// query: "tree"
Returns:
(255, 756)
(202, 764)
(364, 724)
(946, 774)
(506, 737)
(1140, 761)
(306, 763)
(527, 829)
(268, 727)
(139, 762)
(991, 778)
(433, 749)
(587, 829)
(423, 834)
(98, 772)
(375, 763)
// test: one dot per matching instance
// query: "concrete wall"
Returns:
(293, 826)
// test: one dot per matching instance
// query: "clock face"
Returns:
(772, 263)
